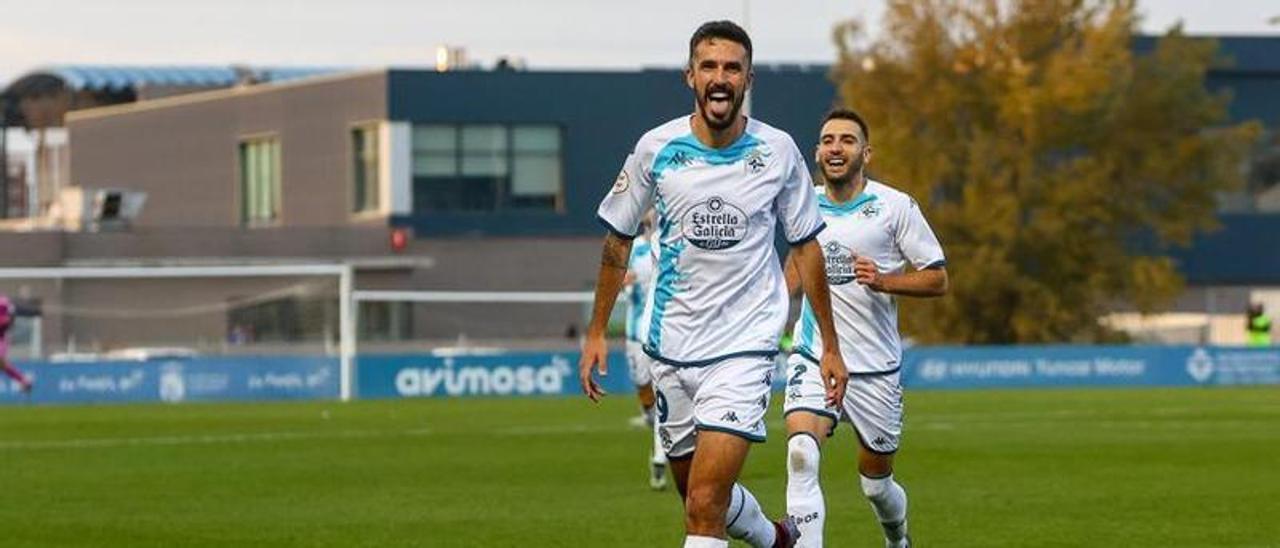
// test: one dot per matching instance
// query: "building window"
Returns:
(535, 170)
(385, 321)
(365, 159)
(486, 167)
(294, 319)
(259, 181)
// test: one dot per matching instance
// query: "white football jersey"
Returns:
(887, 226)
(719, 290)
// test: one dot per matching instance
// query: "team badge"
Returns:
(622, 183)
(756, 160)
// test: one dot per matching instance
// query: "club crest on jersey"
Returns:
(839, 261)
(755, 161)
(871, 210)
(714, 224)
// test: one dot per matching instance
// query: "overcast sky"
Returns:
(593, 34)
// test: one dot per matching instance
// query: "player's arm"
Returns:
(808, 261)
(917, 242)
(926, 282)
(621, 212)
(609, 281)
(792, 274)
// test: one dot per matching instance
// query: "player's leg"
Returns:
(640, 366)
(809, 423)
(711, 484)
(732, 398)
(657, 461)
(876, 413)
(14, 373)
(674, 421)
(642, 378)
(743, 517)
(644, 394)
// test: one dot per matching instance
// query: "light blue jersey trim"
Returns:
(683, 151)
(668, 275)
(849, 208)
(635, 301)
(808, 325)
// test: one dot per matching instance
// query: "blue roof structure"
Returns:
(112, 78)
(113, 84)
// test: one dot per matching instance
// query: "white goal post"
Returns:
(348, 297)
(344, 273)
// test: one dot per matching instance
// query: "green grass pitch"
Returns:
(1106, 467)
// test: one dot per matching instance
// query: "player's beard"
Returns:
(855, 167)
(704, 99)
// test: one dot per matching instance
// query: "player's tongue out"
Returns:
(719, 102)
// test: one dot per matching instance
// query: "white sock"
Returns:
(659, 454)
(889, 502)
(804, 493)
(745, 520)
(694, 541)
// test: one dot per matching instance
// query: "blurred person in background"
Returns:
(8, 313)
(1258, 326)
(640, 271)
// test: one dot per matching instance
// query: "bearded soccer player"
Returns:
(720, 182)
(877, 247)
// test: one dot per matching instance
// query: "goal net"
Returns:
(69, 315)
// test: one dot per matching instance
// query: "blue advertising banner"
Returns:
(1029, 366)
(555, 373)
(514, 374)
(543, 373)
(192, 379)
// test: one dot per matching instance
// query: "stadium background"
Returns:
(485, 179)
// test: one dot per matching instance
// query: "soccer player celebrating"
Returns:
(874, 233)
(719, 182)
(638, 281)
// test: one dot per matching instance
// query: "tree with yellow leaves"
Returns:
(1053, 161)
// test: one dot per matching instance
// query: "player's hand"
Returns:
(835, 378)
(594, 353)
(867, 273)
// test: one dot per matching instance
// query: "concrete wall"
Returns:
(184, 151)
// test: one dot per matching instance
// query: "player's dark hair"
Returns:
(849, 114)
(725, 30)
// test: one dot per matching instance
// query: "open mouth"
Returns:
(719, 102)
(835, 162)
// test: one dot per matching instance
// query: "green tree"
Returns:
(1042, 148)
